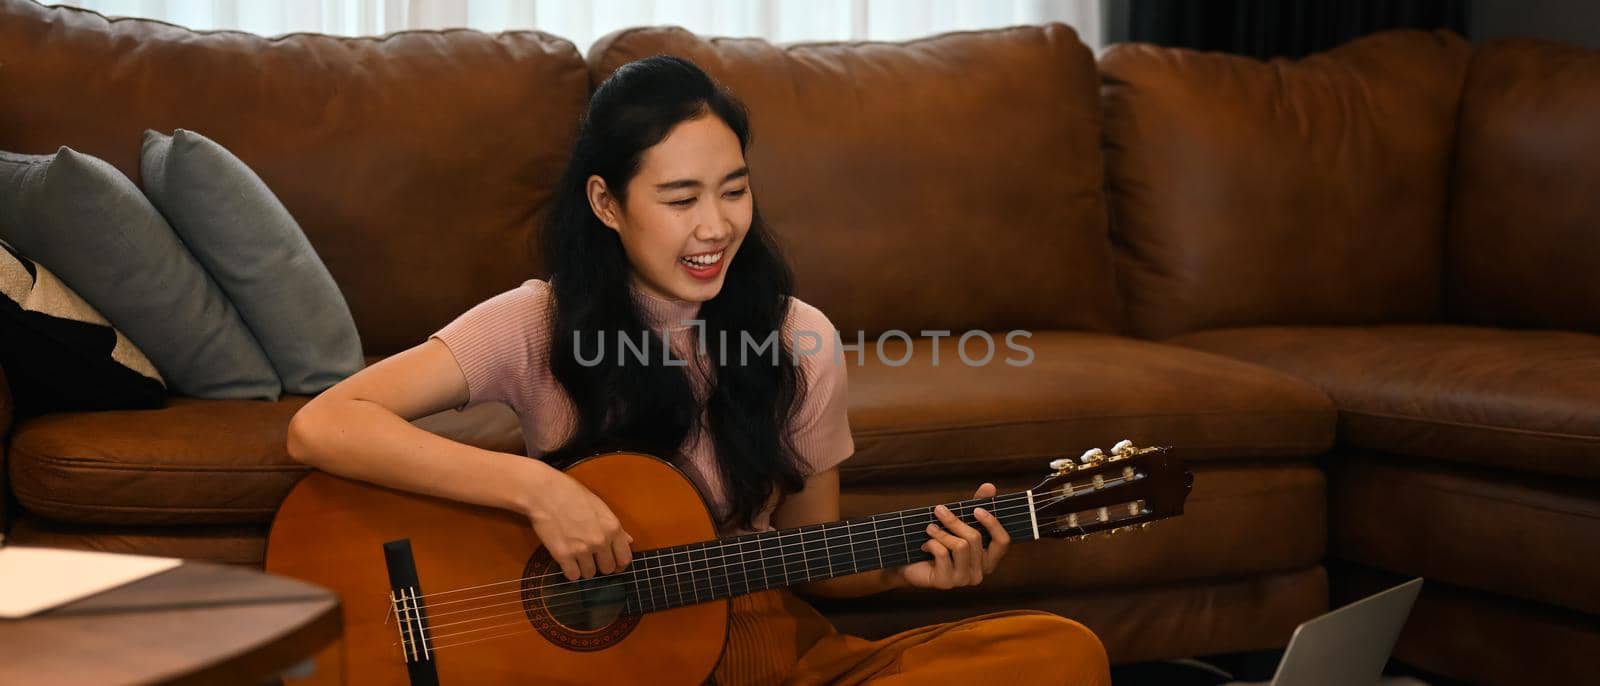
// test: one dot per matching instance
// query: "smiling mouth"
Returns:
(704, 261)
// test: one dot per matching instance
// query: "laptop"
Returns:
(1348, 646)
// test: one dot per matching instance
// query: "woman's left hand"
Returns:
(959, 556)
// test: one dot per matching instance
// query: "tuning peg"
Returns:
(1122, 451)
(1062, 466)
(1091, 457)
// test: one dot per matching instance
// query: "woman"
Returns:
(654, 228)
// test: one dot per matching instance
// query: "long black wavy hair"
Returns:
(626, 405)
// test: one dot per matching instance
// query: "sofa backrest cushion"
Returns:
(1284, 192)
(1523, 248)
(953, 182)
(416, 163)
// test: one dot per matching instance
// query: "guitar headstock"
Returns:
(1125, 488)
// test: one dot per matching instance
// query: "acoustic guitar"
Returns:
(435, 591)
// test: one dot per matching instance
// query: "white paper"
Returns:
(37, 579)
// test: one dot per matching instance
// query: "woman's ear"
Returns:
(603, 204)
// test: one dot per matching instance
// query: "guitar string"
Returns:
(1009, 498)
(485, 638)
(526, 628)
(511, 633)
(831, 551)
(763, 548)
(900, 517)
(907, 558)
(437, 648)
(900, 528)
(1014, 502)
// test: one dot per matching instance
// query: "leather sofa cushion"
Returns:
(192, 462)
(1521, 536)
(978, 206)
(1241, 519)
(1521, 246)
(1306, 192)
(238, 545)
(416, 163)
(1517, 400)
(1081, 391)
(224, 462)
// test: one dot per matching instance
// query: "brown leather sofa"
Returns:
(1410, 226)
(1294, 273)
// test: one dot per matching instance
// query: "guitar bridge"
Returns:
(405, 598)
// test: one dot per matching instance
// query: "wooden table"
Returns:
(197, 623)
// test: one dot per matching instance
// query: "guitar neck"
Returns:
(665, 578)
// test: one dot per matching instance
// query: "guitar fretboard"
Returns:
(665, 578)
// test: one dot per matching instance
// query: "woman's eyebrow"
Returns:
(693, 183)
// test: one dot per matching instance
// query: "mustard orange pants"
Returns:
(774, 637)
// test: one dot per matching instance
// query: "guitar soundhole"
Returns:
(579, 615)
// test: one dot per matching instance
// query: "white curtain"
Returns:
(583, 22)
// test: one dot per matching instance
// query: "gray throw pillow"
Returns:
(79, 216)
(257, 253)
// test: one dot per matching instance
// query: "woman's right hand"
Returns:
(574, 525)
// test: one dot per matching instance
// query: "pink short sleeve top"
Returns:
(503, 344)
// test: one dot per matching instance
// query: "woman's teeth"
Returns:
(702, 261)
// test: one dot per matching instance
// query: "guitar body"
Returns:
(438, 592)
(332, 531)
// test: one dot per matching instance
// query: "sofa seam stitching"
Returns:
(1472, 425)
